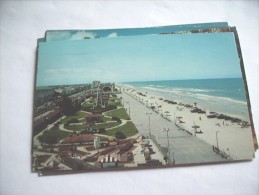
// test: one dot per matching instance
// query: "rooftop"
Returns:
(79, 138)
(93, 116)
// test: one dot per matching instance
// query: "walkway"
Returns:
(183, 147)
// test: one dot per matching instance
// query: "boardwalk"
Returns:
(184, 148)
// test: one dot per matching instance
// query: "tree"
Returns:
(101, 130)
(51, 139)
(115, 118)
(120, 135)
(77, 105)
(66, 106)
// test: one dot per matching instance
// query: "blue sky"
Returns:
(138, 58)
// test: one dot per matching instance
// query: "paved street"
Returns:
(184, 147)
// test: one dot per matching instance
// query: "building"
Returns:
(109, 161)
(68, 90)
(102, 92)
(42, 92)
(104, 87)
(79, 138)
(97, 142)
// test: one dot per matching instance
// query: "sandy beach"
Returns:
(184, 148)
(233, 138)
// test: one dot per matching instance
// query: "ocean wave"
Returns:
(164, 90)
(177, 90)
(202, 94)
(201, 90)
(218, 99)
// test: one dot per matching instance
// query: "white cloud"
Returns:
(114, 34)
(80, 35)
(58, 35)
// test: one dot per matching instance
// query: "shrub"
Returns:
(101, 130)
(115, 118)
(120, 135)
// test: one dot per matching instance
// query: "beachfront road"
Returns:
(184, 148)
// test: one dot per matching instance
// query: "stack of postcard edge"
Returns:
(140, 98)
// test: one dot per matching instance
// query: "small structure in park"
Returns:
(97, 142)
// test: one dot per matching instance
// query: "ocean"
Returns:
(220, 95)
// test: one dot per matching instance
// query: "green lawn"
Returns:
(105, 119)
(53, 136)
(120, 113)
(74, 127)
(101, 125)
(107, 125)
(77, 115)
(129, 129)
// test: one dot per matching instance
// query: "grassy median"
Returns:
(129, 129)
(77, 115)
(120, 113)
(53, 136)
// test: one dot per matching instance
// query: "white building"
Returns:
(97, 142)
(44, 92)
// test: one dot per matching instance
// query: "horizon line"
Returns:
(52, 85)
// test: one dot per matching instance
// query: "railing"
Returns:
(221, 153)
(161, 149)
(182, 127)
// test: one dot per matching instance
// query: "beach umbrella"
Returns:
(166, 113)
(195, 127)
(179, 118)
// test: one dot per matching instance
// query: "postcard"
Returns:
(61, 35)
(141, 101)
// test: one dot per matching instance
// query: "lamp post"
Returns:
(217, 139)
(129, 107)
(167, 130)
(149, 113)
(122, 101)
